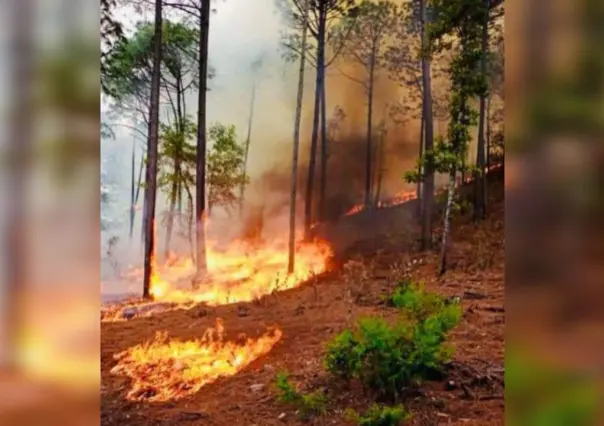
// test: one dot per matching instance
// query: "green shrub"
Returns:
(379, 415)
(308, 404)
(417, 302)
(386, 358)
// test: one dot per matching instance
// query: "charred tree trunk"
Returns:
(323, 178)
(427, 201)
(480, 181)
(315, 129)
(294, 178)
(447, 224)
(380, 167)
(369, 130)
(247, 145)
(151, 175)
(200, 179)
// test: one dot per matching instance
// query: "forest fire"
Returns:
(163, 370)
(399, 198)
(239, 273)
(404, 196)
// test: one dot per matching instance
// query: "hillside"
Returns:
(471, 393)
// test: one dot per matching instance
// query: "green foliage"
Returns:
(379, 415)
(386, 358)
(459, 206)
(129, 67)
(177, 157)
(457, 22)
(414, 300)
(311, 404)
(225, 166)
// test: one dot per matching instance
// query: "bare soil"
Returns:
(471, 394)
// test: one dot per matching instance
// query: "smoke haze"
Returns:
(241, 32)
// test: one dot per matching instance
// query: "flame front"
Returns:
(240, 273)
(163, 369)
(404, 196)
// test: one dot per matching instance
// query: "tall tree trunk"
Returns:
(487, 149)
(200, 179)
(422, 126)
(428, 192)
(190, 221)
(447, 224)
(247, 145)
(323, 178)
(172, 210)
(139, 181)
(315, 132)
(133, 189)
(380, 167)
(480, 181)
(21, 124)
(294, 178)
(151, 175)
(369, 130)
(175, 190)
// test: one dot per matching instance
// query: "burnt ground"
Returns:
(471, 394)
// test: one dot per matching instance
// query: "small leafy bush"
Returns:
(386, 358)
(308, 404)
(417, 302)
(379, 415)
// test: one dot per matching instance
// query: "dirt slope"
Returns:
(309, 316)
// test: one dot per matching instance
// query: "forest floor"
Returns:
(309, 316)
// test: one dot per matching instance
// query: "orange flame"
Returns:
(239, 274)
(404, 196)
(163, 370)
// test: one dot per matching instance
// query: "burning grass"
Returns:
(241, 272)
(163, 369)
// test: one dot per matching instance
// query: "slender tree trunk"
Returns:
(428, 192)
(480, 179)
(175, 191)
(139, 182)
(191, 221)
(200, 192)
(488, 150)
(323, 178)
(151, 175)
(172, 211)
(315, 132)
(294, 178)
(133, 189)
(369, 130)
(422, 126)
(447, 224)
(380, 167)
(247, 145)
